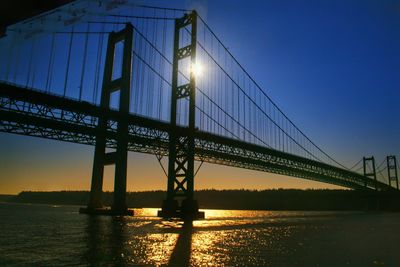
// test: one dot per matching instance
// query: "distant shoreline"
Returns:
(273, 199)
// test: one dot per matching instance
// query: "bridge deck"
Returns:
(33, 113)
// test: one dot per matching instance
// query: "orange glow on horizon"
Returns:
(32, 170)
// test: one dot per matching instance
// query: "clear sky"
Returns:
(332, 66)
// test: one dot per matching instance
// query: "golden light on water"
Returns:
(159, 247)
(225, 237)
(197, 243)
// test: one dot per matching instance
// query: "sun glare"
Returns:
(197, 69)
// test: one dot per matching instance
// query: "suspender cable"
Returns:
(34, 70)
(143, 78)
(10, 57)
(51, 63)
(30, 62)
(140, 73)
(16, 66)
(98, 64)
(152, 62)
(84, 63)
(68, 61)
(160, 102)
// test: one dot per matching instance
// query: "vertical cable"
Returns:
(152, 63)
(10, 57)
(163, 47)
(34, 64)
(68, 61)
(84, 62)
(17, 62)
(30, 62)
(141, 99)
(51, 63)
(98, 65)
(226, 95)
(137, 71)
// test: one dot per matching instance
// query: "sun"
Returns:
(197, 69)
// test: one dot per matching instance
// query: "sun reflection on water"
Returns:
(159, 247)
(225, 237)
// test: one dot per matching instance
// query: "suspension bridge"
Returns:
(126, 77)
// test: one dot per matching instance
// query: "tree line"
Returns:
(273, 199)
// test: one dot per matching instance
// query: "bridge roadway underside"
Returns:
(34, 113)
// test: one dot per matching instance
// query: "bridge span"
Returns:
(134, 92)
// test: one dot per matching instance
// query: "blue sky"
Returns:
(332, 66)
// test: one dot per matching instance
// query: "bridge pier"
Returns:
(96, 190)
(118, 157)
(180, 201)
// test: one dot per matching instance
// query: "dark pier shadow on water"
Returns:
(94, 232)
(183, 248)
(118, 241)
(105, 241)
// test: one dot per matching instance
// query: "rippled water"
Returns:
(48, 235)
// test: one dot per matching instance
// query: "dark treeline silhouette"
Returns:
(275, 199)
(4, 198)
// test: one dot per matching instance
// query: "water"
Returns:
(45, 235)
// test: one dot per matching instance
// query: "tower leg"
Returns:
(120, 156)
(96, 190)
(119, 201)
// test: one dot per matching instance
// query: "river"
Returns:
(48, 235)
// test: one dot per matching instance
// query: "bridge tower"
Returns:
(180, 201)
(119, 156)
(370, 174)
(392, 170)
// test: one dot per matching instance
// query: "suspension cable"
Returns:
(381, 164)
(356, 164)
(262, 91)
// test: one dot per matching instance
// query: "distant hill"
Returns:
(276, 199)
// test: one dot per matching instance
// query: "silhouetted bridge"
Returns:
(197, 104)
